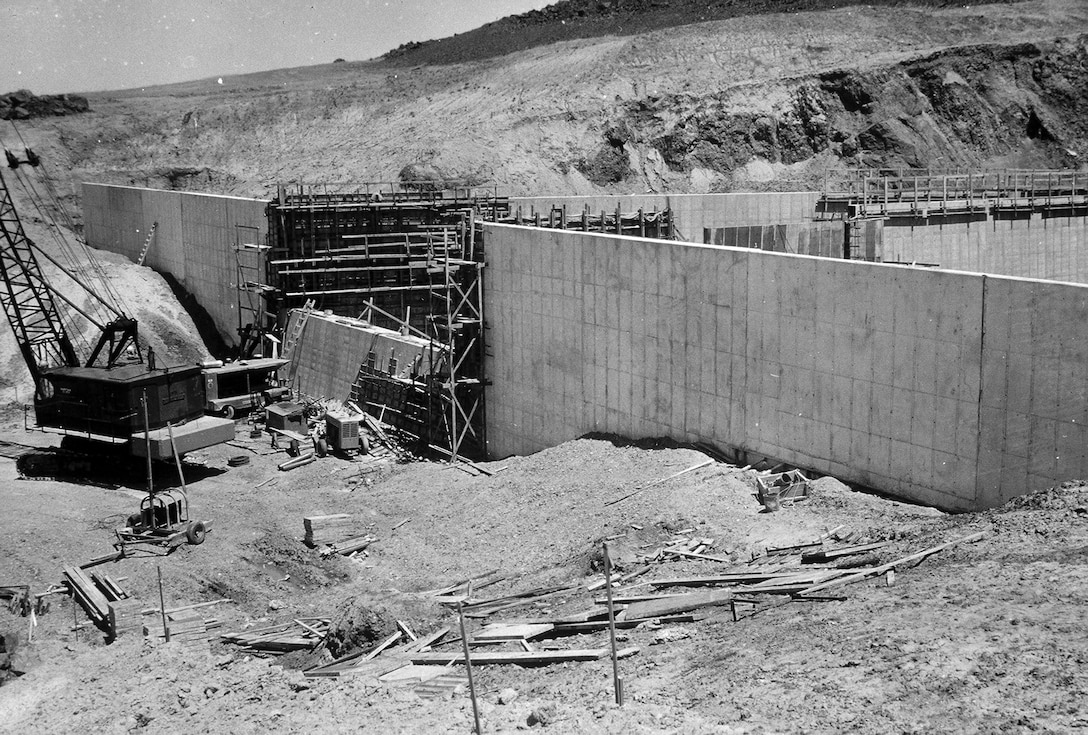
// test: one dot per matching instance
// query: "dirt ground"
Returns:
(986, 637)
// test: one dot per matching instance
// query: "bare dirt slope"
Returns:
(982, 638)
(768, 100)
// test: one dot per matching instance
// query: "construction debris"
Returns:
(328, 529)
(302, 634)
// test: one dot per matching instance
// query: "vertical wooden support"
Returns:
(162, 601)
(617, 682)
(468, 668)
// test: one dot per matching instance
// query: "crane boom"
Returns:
(28, 304)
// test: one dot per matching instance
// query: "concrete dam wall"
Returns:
(198, 239)
(955, 389)
(950, 388)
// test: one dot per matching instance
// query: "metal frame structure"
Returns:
(405, 257)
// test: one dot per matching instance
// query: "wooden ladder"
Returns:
(300, 324)
(147, 243)
(292, 340)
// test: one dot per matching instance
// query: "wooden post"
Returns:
(177, 457)
(468, 666)
(162, 602)
(617, 682)
(147, 443)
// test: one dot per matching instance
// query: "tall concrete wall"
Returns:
(1052, 245)
(195, 240)
(894, 377)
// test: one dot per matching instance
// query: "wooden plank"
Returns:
(692, 555)
(719, 579)
(877, 571)
(521, 658)
(660, 482)
(92, 600)
(496, 632)
(829, 554)
(428, 640)
(680, 604)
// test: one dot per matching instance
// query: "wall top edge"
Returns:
(174, 191)
(665, 195)
(575, 234)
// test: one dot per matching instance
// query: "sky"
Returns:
(57, 46)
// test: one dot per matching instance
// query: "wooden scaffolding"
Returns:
(405, 258)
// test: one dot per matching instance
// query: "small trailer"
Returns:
(163, 519)
(243, 385)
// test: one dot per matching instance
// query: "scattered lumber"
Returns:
(350, 546)
(502, 632)
(87, 595)
(877, 571)
(594, 626)
(679, 604)
(660, 482)
(428, 640)
(352, 663)
(112, 556)
(195, 605)
(108, 586)
(822, 555)
(295, 635)
(520, 658)
(442, 685)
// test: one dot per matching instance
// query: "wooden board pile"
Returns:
(335, 534)
(125, 618)
(186, 627)
(300, 634)
(94, 593)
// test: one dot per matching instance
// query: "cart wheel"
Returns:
(134, 520)
(229, 412)
(195, 533)
(321, 447)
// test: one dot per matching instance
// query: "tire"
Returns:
(195, 533)
(364, 444)
(229, 412)
(321, 447)
(134, 520)
(238, 460)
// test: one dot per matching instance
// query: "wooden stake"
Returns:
(147, 443)
(617, 682)
(468, 668)
(162, 606)
(177, 457)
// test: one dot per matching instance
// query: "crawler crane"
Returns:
(114, 401)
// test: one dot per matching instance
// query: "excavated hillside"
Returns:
(768, 100)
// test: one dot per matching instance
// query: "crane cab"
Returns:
(107, 405)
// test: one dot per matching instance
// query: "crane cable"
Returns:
(109, 294)
(68, 321)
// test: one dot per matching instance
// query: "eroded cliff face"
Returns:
(1023, 106)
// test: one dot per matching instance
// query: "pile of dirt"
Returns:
(24, 104)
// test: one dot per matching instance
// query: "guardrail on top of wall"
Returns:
(922, 193)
